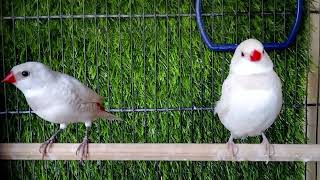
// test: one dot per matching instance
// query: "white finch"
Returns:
(58, 98)
(251, 97)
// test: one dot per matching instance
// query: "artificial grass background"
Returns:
(151, 62)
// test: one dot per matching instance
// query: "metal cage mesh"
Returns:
(148, 60)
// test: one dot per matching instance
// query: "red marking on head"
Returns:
(255, 56)
(100, 107)
(9, 78)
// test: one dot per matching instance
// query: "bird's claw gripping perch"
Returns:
(83, 149)
(269, 148)
(45, 146)
(232, 147)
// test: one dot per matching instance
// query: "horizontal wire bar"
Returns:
(81, 16)
(165, 152)
(133, 110)
(194, 108)
(314, 12)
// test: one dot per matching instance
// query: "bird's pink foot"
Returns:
(269, 148)
(232, 147)
(83, 149)
(45, 146)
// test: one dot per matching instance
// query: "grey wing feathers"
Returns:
(83, 92)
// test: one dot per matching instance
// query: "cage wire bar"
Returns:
(10, 110)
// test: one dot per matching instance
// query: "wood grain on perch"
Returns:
(166, 152)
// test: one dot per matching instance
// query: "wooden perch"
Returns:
(164, 152)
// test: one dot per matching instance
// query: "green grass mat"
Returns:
(150, 62)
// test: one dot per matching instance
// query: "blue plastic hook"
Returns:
(267, 46)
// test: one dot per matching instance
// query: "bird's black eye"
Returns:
(25, 73)
(263, 52)
(242, 54)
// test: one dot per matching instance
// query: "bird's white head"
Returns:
(29, 75)
(250, 58)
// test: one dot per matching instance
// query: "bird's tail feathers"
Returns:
(109, 116)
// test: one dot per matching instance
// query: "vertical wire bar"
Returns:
(26, 56)
(73, 52)
(306, 94)
(61, 29)
(50, 61)
(237, 21)
(49, 34)
(212, 85)
(295, 99)
(121, 67)
(16, 91)
(191, 19)
(109, 84)
(286, 64)
(122, 81)
(49, 41)
(3, 75)
(212, 65)
(274, 34)
(84, 43)
(223, 40)
(96, 53)
(317, 105)
(38, 59)
(74, 71)
(97, 73)
(144, 74)
(157, 120)
(16, 62)
(180, 70)
(132, 92)
(202, 136)
(56, 172)
(145, 127)
(156, 69)
(97, 69)
(168, 79)
(249, 15)
(168, 64)
(180, 81)
(4, 89)
(224, 62)
(263, 22)
(84, 31)
(72, 42)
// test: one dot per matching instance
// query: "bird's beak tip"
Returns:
(9, 78)
(255, 55)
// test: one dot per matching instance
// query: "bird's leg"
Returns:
(45, 146)
(84, 146)
(268, 147)
(232, 147)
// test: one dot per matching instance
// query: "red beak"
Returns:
(9, 78)
(255, 55)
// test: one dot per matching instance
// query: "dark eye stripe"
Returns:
(242, 54)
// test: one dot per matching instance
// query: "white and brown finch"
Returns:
(58, 98)
(251, 97)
